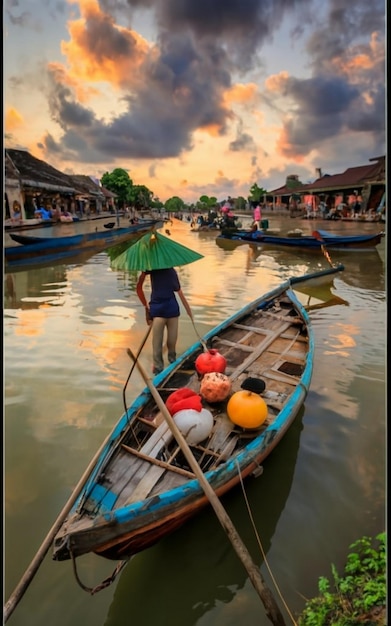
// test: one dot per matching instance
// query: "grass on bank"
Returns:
(359, 596)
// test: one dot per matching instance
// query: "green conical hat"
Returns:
(154, 252)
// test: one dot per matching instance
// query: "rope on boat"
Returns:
(202, 342)
(261, 547)
(105, 583)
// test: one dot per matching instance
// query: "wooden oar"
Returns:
(271, 607)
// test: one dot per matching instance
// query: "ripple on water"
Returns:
(65, 341)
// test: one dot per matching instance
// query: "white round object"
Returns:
(194, 425)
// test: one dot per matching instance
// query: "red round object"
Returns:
(184, 398)
(211, 361)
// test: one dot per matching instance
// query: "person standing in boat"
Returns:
(163, 311)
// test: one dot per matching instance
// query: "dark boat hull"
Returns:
(35, 249)
(310, 242)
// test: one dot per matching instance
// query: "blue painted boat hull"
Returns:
(140, 487)
(323, 239)
(36, 249)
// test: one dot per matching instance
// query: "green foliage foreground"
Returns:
(359, 597)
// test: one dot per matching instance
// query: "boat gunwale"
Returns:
(298, 395)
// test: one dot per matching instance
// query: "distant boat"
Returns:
(38, 249)
(318, 239)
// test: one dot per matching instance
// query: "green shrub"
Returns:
(357, 598)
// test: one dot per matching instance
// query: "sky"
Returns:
(195, 97)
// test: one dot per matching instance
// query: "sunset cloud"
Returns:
(174, 91)
(100, 50)
(13, 120)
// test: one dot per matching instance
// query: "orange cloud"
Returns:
(276, 82)
(214, 130)
(286, 149)
(13, 119)
(91, 53)
(241, 93)
(360, 58)
(83, 92)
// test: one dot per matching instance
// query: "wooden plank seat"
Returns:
(259, 350)
(147, 475)
(222, 441)
(276, 316)
(235, 344)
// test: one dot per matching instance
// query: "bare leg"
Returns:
(172, 336)
(159, 324)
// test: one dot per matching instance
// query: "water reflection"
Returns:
(319, 296)
(364, 269)
(33, 289)
(66, 331)
(177, 579)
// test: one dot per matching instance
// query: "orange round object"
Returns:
(247, 409)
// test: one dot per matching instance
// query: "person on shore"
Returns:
(257, 216)
(163, 311)
(16, 212)
(43, 213)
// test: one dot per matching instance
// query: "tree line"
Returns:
(140, 197)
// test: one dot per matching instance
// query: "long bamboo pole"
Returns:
(32, 569)
(272, 610)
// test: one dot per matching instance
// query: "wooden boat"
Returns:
(203, 225)
(140, 487)
(318, 239)
(35, 249)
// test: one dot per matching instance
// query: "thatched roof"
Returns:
(37, 174)
(85, 185)
(11, 172)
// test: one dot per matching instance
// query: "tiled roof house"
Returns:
(369, 181)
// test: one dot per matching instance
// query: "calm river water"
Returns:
(66, 331)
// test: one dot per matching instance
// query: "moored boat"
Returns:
(318, 240)
(140, 486)
(34, 249)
